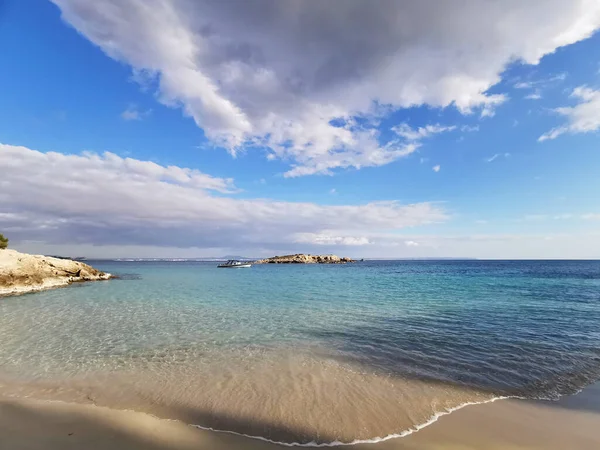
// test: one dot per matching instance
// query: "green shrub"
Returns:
(3, 242)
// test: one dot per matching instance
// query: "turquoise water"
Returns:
(475, 329)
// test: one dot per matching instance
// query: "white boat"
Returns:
(234, 264)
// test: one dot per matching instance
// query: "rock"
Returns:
(302, 258)
(21, 273)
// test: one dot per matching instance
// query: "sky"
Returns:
(181, 128)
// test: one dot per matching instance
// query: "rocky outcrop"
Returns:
(21, 273)
(302, 258)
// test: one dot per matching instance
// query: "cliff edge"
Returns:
(21, 273)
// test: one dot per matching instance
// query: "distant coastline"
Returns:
(248, 258)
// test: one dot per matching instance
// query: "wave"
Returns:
(375, 440)
(312, 444)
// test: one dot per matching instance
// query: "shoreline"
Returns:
(21, 273)
(357, 442)
(48, 284)
(569, 422)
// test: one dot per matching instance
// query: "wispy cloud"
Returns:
(537, 86)
(593, 216)
(584, 117)
(134, 113)
(530, 84)
(417, 134)
(534, 96)
(436, 168)
(330, 239)
(496, 156)
(524, 85)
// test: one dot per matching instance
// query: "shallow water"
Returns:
(307, 353)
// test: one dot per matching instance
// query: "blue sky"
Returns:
(267, 131)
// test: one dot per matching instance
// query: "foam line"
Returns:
(374, 440)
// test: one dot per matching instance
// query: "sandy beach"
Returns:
(570, 423)
(410, 187)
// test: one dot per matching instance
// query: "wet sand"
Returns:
(280, 396)
(571, 423)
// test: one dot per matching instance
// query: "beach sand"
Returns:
(571, 423)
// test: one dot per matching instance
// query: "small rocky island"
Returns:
(302, 258)
(21, 273)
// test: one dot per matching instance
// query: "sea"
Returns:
(307, 355)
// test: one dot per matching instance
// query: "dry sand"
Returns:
(21, 273)
(572, 423)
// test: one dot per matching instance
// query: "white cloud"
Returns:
(328, 239)
(524, 85)
(108, 200)
(469, 128)
(489, 109)
(411, 243)
(534, 96)
(591, 216)
(581, 118)
(496, 156)
(436, 168)
(530, 84)
(416, 134)
(333, 191)
(134, 113)
(293, 76)
(481, 222)
(563, 216)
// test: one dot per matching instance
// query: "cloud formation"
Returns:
(496, 156)
(584, 117)
(134, 113)
(416, 134)
(108, 200)
(310, 81)
(534, 96)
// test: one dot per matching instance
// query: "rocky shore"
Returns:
(21, 273)
(302, 258)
